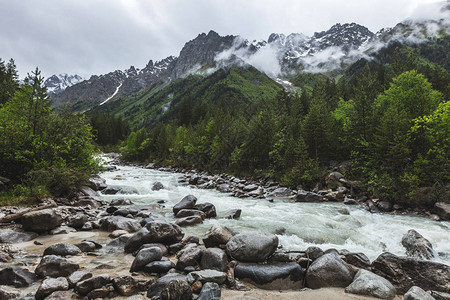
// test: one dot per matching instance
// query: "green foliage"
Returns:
(46, 152)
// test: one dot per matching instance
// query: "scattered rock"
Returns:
(16, 277)
(359, 260)
(155, 289)
(78, 276)
(97, 183)
(163, 248)
(87, 191)
(189, 256)
(8, 293)
(416, 293)
(275, 276)
(187, 202)
(157, 186)
(177, 289)
(417, 246)
(111, 190)
(442, 209)
(41, 220)
(304, 196)
(384, 205)
(350, 201)
(118, 222)
(190, 212)
(77, 221)
(369, 284)
(252, 247)
(214, 259)
(51, 285)
(120, 202)
(233, 214)
(329, 270)
(207, 276)
(155, 232)
(62, 249)
(281, 192)
(189, 221)
(404, 272)
(313, 252)
(62, 230)
(9, 236)
(144, 257)
(125, 285)
(55, 266)
(86, 246)
(210, 291)
(159, 267)
(95, 282)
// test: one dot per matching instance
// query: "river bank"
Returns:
(288, 226)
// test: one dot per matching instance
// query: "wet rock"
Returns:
(157, 186)
(440, 295)
(224, 188)
(125, 285)
(252, 247)
(9, 236)
(189, 256)
(163, 248)
(119, 222)
(404, 272)
(281, 192)
(313, 252)
(62, 249)
(210, 291)
(51, 285)
(174, 248)
(87, 191)
(304, 196)
(442, 209)
(100, 293)
(62, 230)
(55, 266)
(78, 276)
(128, 190)
(41, 220)
(111, 190)
(144, 257)
(86, 246)
(187, 202)
(417, 246)
(120, 241)
(190, 212)
(176, 290)
(329, 270)
(207, 276)
(120, 202)
(123, 212)
(156, 288)
(77, 221)
(16, 277)
(191, 239)
(233, 214)
(97, 183)
(217, 235)
(416, 293)
(359, 260)
(274, 276)
(8, 293)
(155, 232)
(117, 233)
(250, 187)
(214, 259)
(367, 283)
(95, 282)
(145, 221)
(350, 201)
(384, 205)
(159, 267)
(189, 221)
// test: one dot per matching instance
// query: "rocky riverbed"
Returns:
(121, 240)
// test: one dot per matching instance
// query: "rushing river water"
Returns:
(305, 224)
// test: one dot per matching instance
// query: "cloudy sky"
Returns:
(98, 36)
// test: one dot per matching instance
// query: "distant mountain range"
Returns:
(279, 57)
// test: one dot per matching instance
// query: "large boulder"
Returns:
(16, 277)
(416, 293)
(97, 183)
(442, 209)
(252, 247)
(155, 232)
(77, 221)
(189, 256)
(51, 285)
(217, 235)
(208, 208)
(329, 270)
(187, 202)
(41, 220)
(156, 288)
(190, 212)
(417, 246)
(367, 283)
(95, 282)
(405, 272)
(215, 259)
(9, 236)
(189, 221)
(144, 257)
(304, 196)
(275, 276)
(62, 249)
(55, 266)
(207, 276)
(87, 191)
(281, 192)
(118, 222)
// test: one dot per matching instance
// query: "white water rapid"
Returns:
(306, 224)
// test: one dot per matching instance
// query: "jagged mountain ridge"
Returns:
(57, 83)
(333, 49)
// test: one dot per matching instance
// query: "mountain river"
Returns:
(326, 225)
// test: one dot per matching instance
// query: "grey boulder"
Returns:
(329, 270)
(217, 235)
(144, 257)
(215, 259)
(51, 285)
(16, 277)
(416, 293)
(55, 266)
(41, 220)
(187, 202)
(369, 284)
(252, 247)
(62, 249)
(417, 246)
(120, 223)
(210, 291)
(8, 236)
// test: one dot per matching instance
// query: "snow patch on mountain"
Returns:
(57, 83)
(112, 96)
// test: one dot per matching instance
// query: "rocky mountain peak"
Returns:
(57, 83)
(349, 34)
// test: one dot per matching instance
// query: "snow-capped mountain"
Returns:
(57, 83)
